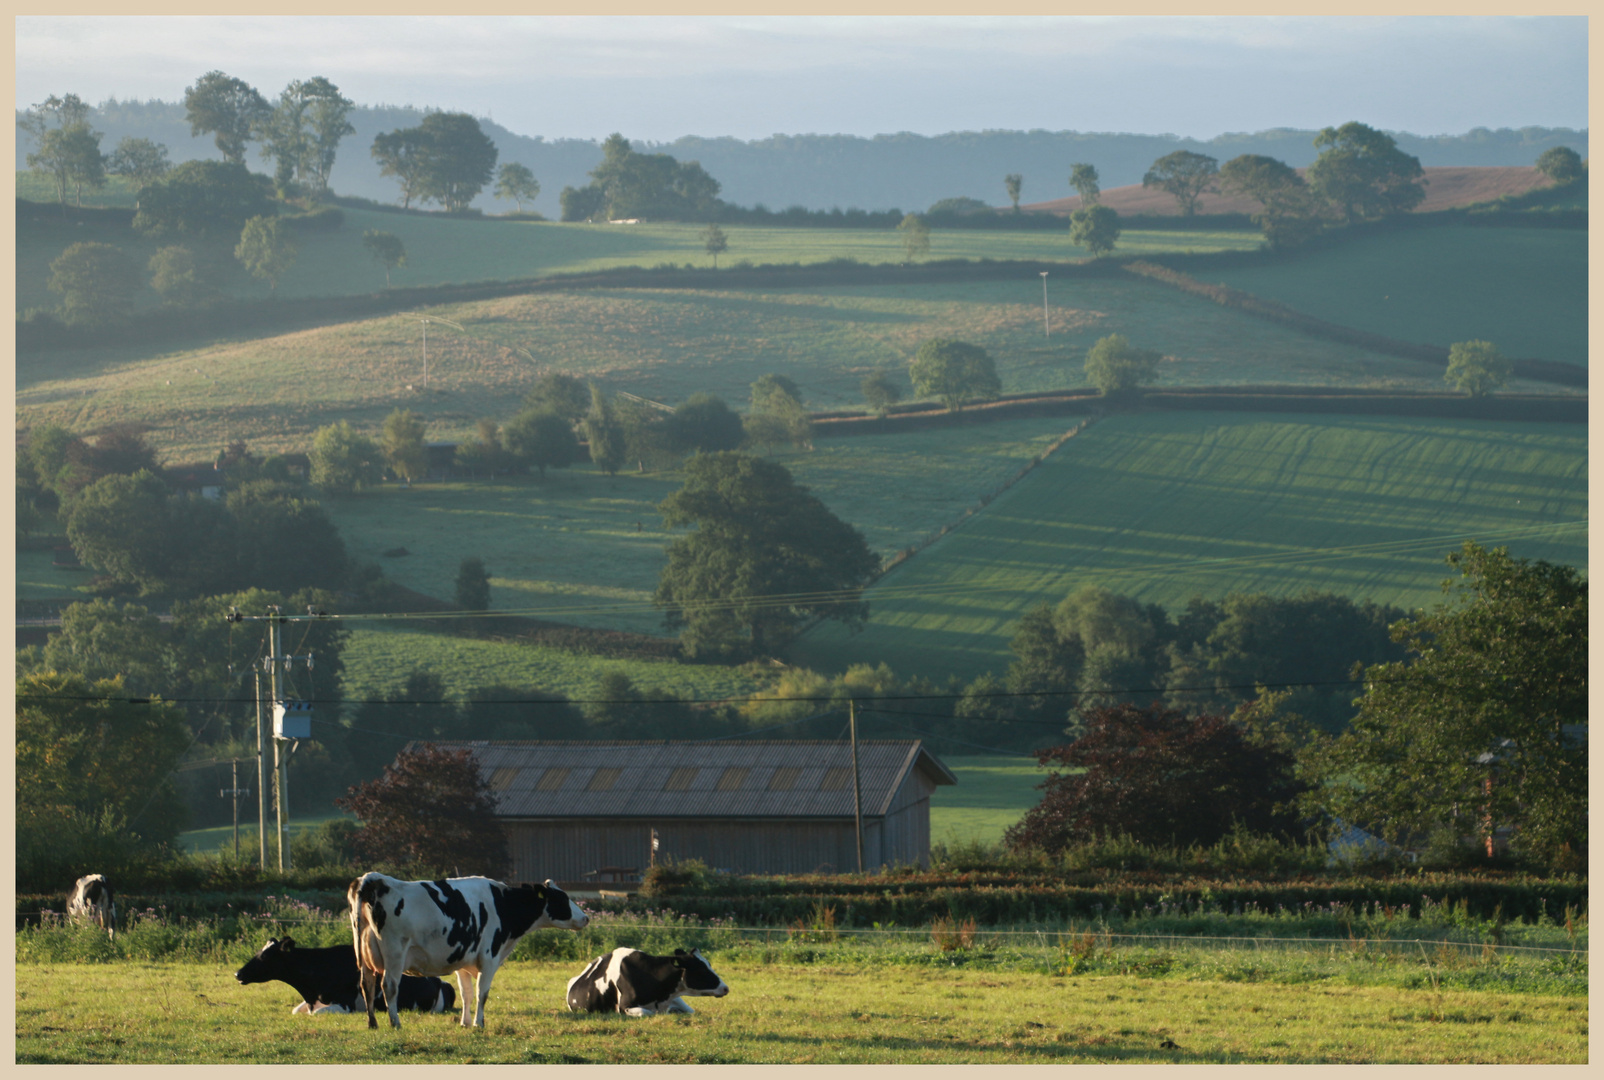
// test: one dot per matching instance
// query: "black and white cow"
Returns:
(463, 925)
(328, 980)
(91, 901)
(631, 982)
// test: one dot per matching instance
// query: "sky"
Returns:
(659, 78)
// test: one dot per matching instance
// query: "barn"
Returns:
(573, 809)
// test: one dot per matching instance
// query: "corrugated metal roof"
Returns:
(696, 779)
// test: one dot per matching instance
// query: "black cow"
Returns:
(328, 980)
(92, 902)
(631, 982)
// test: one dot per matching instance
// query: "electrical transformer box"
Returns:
(292, 720)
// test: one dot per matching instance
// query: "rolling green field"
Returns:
(443, 250)
(992, 793)
(665, 344)
(1525, 290)
(1167, 506)
(904, 1013)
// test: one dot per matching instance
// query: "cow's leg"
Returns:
(370, 993)
(465, 984)
(487, 972)
(392, 994)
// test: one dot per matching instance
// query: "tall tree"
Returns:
(140, 161)
(1561, 164)
(1117, 368)
(954, 371)
(1484, 726)
(1083, 178)
(401, 442)
(403, 155)
(266, 250)
(326, 123)
(516, 182)
(604, 432)
(1185, 175)
(1289, 212)
(1362, 172)
(67, 149)
(1014, 182)
(1476, 367)
(915, 236)
(97, 283)
(1094, 228)
(766, 555)
(542, 438)
(344, 461)
(385, 248)
(459, 159)
(227, 107)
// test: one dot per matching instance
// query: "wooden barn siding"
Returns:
(566, 851)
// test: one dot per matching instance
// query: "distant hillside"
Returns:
(1446, 187)
(904, 170)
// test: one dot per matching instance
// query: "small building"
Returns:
(574, 809)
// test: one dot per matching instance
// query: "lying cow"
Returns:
(631, 982)
(328, 981)
(463, 925)
(91, 901)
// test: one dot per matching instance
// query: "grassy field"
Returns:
(1167, 506)
(665, 344)
(809, 1013)
(992, 793)
(452, 250)
(1525, 290)
(38, 579)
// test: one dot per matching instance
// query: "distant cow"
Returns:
(91, 901)
(466, 925)
(629, 981)
(328, 980)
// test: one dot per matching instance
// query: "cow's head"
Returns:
(562, 912)
(697, 977)
(269, 964)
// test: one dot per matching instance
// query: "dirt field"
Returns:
(1445, 188)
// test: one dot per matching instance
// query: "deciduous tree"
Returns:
(140, 162)
(227, 107)
(1083, 178)
(385, 248)
(1476, 367)
(459, 159)
(880, 392)
(766, 555)
(777, 398)
(704, 422)
(1561, 164)
(915, 236)
(1185, 175)
(516, 182)
(1117, 368)
(1014, 182)
(542, 438)
(266, 250)
(403, 155)
(178, 276)
(67, 149)
(473, 585)
(956, 372)
(604, 432)
(344, 461)
(560, 393)
(1289, 212)
(433, 812)
(1362, 172)
(207, 198)
(1094, 228)
(715, 242)
(401, 441)
(97, 283)
(1484, 726)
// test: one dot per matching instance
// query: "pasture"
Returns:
(665, 344)
(1167, 506)
(1525, 290)
(1167, 1005)
(992, 793)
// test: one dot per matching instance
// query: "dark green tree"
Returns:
(1363, 174)
(1484, 726)
(1289, 213)
(385, 248)
(1119, 369)
(344, 461)
(704, 422)
(1561, 164)
(229, 108)
(516, 182)
(283, 541)
(604, 432)
(207, 198)
(627, 184)
(1083, 178)
(1015, 183)
(542, 438)
(473, 585)
(955, 372)
(459, 159)
(766, 556)
(1476, 367)
(97, 283)
(1185, 175)
(403, 154)
(1094, 228)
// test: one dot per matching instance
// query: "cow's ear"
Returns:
(680, 952)
(287, 944)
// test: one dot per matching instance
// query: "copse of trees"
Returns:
(66, 149)
(1289, 212)
(1363, 174)
(447, 159)
(203, 198)
(302, 132)
(229, 109)
(627, 184)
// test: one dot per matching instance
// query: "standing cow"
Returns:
(463, 925)
(91, 901)
(328, 981)
(631, 982)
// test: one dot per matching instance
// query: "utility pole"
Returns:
(278, 774)
(426, 320)
(261, 775)
(1047, 326)
(857, 789)
(236, 791)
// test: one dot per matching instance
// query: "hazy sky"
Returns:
(657, 78)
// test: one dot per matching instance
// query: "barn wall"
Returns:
(907, 835)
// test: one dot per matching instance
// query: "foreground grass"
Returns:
(1525, 290)
(665, 344)
(815, 1013)
(1167, 506)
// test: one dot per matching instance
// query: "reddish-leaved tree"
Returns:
(1161, 777)
(432, 811)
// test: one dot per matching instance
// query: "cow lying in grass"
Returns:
(328, 980)
(91, 901)
(463, 925)
(631, 982)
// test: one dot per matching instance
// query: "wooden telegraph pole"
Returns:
(857, 788)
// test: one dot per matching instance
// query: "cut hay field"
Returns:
(1167, 506)
(666, 344)
(443, 250)
(1525, 290)
(939, 1009)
